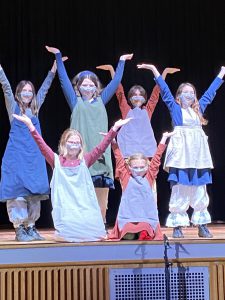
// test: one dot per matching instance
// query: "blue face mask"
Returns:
(71, 146)
(89, 89)
(187, 99)
(138, 171)
(26, 94)
(134, 100)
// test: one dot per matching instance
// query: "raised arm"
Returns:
(44, 148)
(65, 82)
(210, 94)
(92, 156)
(124, 106)
(164, 89)
(42, 92)
(8, 94)
(154, 98)
(110, 89)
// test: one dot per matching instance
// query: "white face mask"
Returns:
(136, 171)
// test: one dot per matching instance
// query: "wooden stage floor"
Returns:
(7, 236)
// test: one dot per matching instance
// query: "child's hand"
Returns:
(126, 56)
(52, 49)
(168, 134)
(25, 119)
(107, 68)
(169, 71)
(120, 123)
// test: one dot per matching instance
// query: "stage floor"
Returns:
(109, 254)
(7, 236)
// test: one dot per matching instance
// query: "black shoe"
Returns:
(203, 231)
(177, 232)
(22, 235)
(33, 233)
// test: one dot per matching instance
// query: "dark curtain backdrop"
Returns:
(188, 34)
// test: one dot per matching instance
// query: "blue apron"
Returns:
(137, 136)
(138, 204)
(23, 172)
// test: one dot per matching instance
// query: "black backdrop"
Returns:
(188, 34)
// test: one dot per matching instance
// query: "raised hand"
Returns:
(165, 136)
(126, 56)
(52, 49)
(222, 72)
(25, 119)
(149, 67)
(120, 123)
(107, 68)
(169, 71)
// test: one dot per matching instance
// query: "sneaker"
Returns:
(177, 232)
(22, 235)
(203, 231)
(33, 233)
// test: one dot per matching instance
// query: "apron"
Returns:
(90, 119)
(76, 213)
(137, 136)
(24, 172)
(188, 147)
(138, 204)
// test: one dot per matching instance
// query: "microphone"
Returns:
(166, 241)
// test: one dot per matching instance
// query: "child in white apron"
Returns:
(76, 213)
(188, 159)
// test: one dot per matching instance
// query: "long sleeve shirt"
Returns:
(68, 89)
(89, 157)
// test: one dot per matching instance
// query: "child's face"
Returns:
(137, 99)
(87, 89)
(26, 93)
(73, 145)
(138, 167)
(187, 96)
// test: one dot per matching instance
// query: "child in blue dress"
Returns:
(24, 180)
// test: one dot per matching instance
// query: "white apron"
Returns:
(76, 213)
(188, 147)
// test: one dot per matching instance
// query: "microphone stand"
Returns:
(167, 266)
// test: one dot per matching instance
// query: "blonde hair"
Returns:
(137, 156)
(195, 106)
(64, 138)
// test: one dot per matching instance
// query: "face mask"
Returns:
(26, 96)
(71, 146)
(89, 89)
(135, 101)
(138, 171)
(187, 99)
(137, 98)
